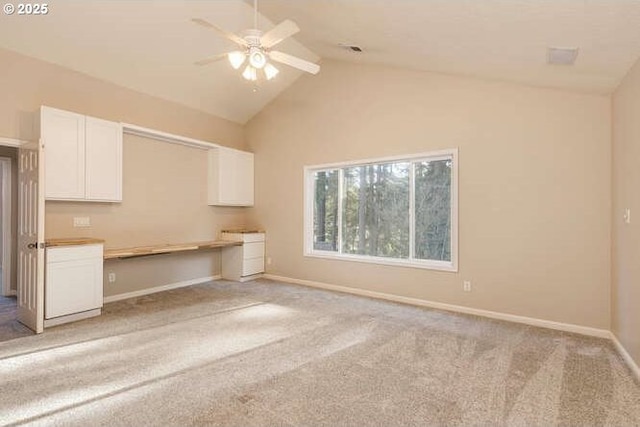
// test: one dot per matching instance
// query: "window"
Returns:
(399, 211)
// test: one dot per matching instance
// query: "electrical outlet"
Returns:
(269, 260)
(112, 277)
(627, 216)
(81, 221)
(466, 286)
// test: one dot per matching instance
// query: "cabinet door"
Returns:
(230, 177)
(103, 179)
(227, 176)
(63, 136)
(73, 286)
(244, 178)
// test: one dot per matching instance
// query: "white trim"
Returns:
(411, 262)
(167, 137)
(626, 356)
(11, 142)
(7, 243)
(394, 262)
(72, 317)
(412, 210)
(431, 155)
(249, 278)
(153, 290)
(567, 327)
(310, 231)
(455, 225)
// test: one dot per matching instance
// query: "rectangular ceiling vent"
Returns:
(562, 55)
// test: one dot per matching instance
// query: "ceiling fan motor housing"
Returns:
(255, 52)
(252, 36)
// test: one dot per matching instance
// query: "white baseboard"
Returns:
(153, 290)
(567, 327)
(252, 277)
(72, 317)
(626, 356)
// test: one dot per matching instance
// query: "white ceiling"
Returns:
(150, 46)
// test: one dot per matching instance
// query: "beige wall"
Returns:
(164, 201)
(535, 180)
(164, 186)
(535, 184)
(626, 194)
(27, 83)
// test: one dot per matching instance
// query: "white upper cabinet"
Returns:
(230, 177)
(63, 135)
(83, 157)
(103, 174)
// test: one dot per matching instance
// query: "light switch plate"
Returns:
(81, 221)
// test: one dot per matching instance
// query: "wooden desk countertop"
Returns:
(165, 248)
(72, 241)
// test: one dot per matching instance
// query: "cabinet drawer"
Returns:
(253, 250)
(253, 237)
(252, 266)
(244, 237)
(72, 253)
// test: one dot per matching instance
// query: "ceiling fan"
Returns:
(256, 49)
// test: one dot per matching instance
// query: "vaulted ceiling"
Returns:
(150, 46)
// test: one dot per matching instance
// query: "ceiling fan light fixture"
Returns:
(257, 49)
(250, 73)
(236, 59)
(270, 71)
(257, 58)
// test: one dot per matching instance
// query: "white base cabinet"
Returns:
(246, 262)
(73, 282)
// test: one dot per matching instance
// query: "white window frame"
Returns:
(308, 181)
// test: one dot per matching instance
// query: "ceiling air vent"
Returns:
(562, 55)
(350, 47)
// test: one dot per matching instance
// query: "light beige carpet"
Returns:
(10, 328)
(268, 354)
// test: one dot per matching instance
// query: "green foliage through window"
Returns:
(385, 209)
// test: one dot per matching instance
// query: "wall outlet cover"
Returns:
(81, 221)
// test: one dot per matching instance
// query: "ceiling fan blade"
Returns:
(234, 38)
(211, 59)
(280, 32)
(294, 62)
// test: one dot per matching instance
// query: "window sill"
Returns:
(425, 265)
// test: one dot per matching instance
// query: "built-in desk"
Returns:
(165, 248)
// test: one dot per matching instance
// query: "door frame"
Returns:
(7, 241)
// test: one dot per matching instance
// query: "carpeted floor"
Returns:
(269, 354)
(10, 328)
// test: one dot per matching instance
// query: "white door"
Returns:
(31, 236)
